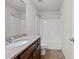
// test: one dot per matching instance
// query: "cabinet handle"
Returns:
(33, 55)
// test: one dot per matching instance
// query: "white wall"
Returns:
(51, 31)
(31, 14)
(67, 17)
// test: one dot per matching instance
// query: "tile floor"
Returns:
(53, 54)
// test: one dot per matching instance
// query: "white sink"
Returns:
(17, 43)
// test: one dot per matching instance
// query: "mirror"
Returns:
(15, 18)
(17, 25)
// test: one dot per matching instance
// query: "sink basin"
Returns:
(17, 43)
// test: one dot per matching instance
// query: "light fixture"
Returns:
(40, 0)
(22, 1)
(45, 21)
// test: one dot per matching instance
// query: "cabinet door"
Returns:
(36, 54)
(30, 57)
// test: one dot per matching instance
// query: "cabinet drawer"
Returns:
(29, 51)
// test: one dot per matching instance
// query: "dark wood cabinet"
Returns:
(32, 52)
(30, 57)
(36, 54)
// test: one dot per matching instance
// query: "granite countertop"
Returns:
(12, 52)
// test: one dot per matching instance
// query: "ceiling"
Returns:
(17, 4)
(42, 5)
(48, 5)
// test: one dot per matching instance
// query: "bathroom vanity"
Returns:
(30, 50)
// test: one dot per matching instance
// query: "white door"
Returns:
(68, 33)
(68, 38)
(50, 33)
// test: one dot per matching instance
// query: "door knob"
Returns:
(72, 39)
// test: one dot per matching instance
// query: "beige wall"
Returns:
(31, 14)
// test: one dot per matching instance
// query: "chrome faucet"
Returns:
(10, 40)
